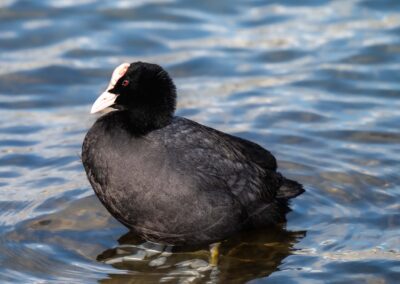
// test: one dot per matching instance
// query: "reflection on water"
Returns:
(314, 81)
(242, 258)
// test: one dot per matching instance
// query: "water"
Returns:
(317, 82)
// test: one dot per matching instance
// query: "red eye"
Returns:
(125, 83)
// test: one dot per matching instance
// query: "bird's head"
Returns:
(139, 87)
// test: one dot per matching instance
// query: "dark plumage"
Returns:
(170, 179)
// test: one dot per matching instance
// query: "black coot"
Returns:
(170, 179)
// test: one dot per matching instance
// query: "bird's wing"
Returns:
(251, 151)
(246, 169)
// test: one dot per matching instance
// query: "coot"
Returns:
(172, 180)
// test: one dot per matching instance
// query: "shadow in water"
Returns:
(242, 258)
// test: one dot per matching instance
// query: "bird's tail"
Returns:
(289, 189)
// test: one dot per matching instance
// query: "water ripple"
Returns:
(314, 81)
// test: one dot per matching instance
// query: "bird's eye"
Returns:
(125, 83)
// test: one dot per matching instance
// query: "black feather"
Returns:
(175, 181)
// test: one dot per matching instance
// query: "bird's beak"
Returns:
(107, 99)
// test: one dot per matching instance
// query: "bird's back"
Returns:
(246, 169)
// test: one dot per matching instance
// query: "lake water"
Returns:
(317, 82)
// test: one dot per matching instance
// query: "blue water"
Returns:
(316, 82)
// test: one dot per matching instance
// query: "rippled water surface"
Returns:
(315, 81)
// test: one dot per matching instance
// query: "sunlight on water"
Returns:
(317, 82)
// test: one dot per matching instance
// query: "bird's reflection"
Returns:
(246, 256)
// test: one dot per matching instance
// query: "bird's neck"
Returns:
(142, 121)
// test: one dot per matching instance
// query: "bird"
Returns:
(171, 180)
